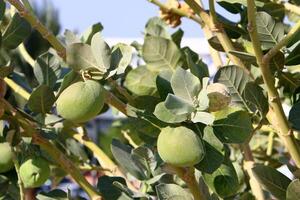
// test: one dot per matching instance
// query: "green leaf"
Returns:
(106, 186)
(53, 195)
(146, 158)
(293, 57)
(47, 69)
(172, 192)
(177, 37)
(203, 117)
(141, 81)
(293, 190)
(70, 78)
(214, 152)
(269, 31)
(215, 43)
(16, 32)
(163, 83)
(178, 106)
(255, 99)
(294, 116)
(232, 125)
(235, 78)
(198, 68)
(121, 57)
(41, 99)
(157, 27)
(185, 85)
(243, 2)
(80, 57)
(245, 57)
(272, 180)
(101, 52)
(163, 114)
(122, 153)
(160, 53)
(90, 32)
(223, 181)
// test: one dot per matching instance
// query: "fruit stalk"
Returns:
(188, 176)
(280, 121)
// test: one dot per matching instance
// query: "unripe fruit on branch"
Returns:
(180, 146)
(6, 162)
(34, 172)
(219, 96)
(81, 101)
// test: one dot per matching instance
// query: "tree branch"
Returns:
(280, 121)
(31, 130)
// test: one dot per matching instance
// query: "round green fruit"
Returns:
(81, 101)
(219, 97)
(34, 172)
(180, 146)
(6, 162)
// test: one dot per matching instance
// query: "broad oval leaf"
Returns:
(272, 180)
(235, 78)
(255, 99)
(101, 52)
(178, 106)
(185, 85)
(163, 114)
(122, 153)
(80, 57)
(269, 31)
(47, 69)
(160, 53)
(55, 194)
(41, 99)
(232, 125)
(141, 81)
(121, 57)
(224, 180)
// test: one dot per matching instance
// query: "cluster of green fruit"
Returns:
(181, 146)
(33, 172)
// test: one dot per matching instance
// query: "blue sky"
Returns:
(120, 18)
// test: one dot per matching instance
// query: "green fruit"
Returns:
(180, 146)
(81, 101)
(6, 162)
(219, 96)
(34, 172)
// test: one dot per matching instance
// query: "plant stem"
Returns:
(177, 11)
(270, 143)
(30, 130)
(25, 55)
(219, 31)
(248, 165)
(102, 158)
(188, 176)
(35, 23)
(280, 119)
(207, 33)
(292, 8)
(16, 88)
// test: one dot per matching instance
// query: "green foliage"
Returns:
(180, 122)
